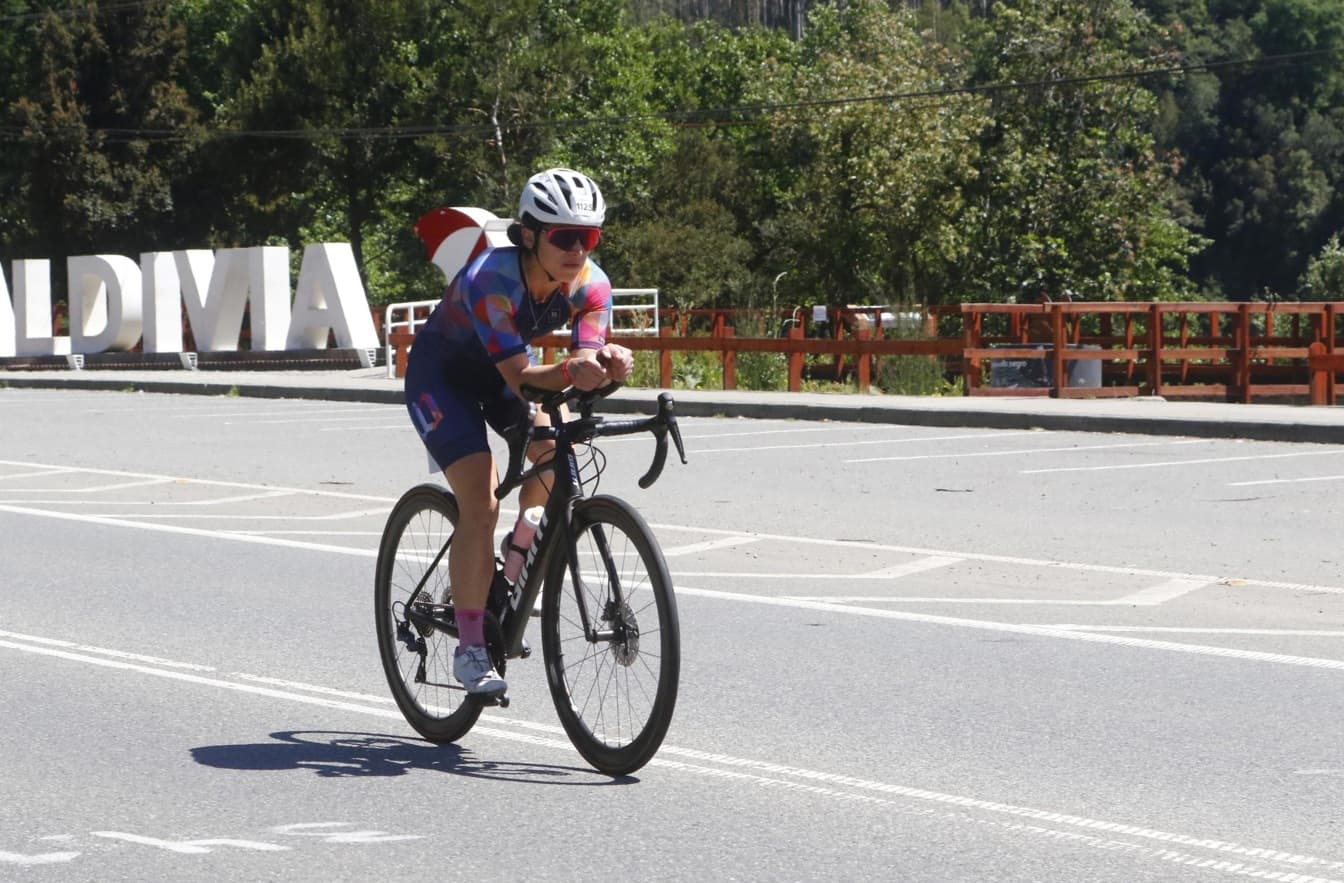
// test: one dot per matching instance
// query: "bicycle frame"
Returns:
(566, 491)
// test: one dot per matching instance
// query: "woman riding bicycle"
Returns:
(472, 356)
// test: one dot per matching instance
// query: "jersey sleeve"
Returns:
(591, 303)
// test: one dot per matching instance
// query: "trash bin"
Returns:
(1018, 373)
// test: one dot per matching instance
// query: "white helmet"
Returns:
(562, 196)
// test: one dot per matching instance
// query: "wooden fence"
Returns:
(1237, 352)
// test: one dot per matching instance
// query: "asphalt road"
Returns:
(909, 653)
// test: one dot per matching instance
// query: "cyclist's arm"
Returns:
(582, 369)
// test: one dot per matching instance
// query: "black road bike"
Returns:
(609, 632)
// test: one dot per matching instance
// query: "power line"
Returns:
(738, 115)
(72, 11)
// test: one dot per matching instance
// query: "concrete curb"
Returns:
(1201, 420)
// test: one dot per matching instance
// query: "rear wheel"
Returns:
(614, 683)
(416, 634)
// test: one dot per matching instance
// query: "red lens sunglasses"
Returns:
(565, 238)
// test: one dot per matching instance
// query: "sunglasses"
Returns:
(565, 238)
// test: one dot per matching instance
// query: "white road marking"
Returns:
(322, 417)
(1016, 628)
(189, 847)
(707, 545)
(852, 444)
(896, 571)
(241, 498)
(94, 489)
(1285, 480)
(1067, 450)
(1202, 460)
(840, 427)
(1155, 596)
(43, 858)
(38, 474)
(202, 481)
(190, 531)
(120, 654)
(935, 599)
(304, 409)
(172, 516)
(1194, 630)
(313, 688)
(765, 774)
(982, 556)
(308, 533)
(827, 607)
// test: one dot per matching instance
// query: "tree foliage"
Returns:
(963, 149)
(1072, 196)
(1264, 143)
(106, 132)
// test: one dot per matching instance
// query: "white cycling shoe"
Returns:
(474, 670)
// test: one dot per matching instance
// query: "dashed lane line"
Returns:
(1333, 452)
(1065, 450)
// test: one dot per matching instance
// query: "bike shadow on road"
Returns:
(338, 754)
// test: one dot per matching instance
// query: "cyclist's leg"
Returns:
(535, 490)
(471, 559)
(471, 566)
(452, 426)
(506, 415)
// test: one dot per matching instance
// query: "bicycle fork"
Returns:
(615, 610)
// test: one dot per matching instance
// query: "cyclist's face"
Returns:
(564, 250)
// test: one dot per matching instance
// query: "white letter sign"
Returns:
(105, 304)
(33, 335)
(331, 298)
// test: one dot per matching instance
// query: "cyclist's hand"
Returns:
(586, 371)
(619, 360)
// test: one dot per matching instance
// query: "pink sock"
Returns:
(470, 628)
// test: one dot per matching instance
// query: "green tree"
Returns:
(1072, 195)
(868, 185)
(15, 31)
(1324, 276)
(1263, 142)
(691, 226)
(334, 91)
(103, 130)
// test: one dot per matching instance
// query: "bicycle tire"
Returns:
(615, 697)
(427, 694)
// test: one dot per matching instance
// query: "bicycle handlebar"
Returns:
(588, 427)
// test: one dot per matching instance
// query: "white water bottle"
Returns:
(520, 540)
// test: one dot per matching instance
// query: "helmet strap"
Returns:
(531, 224)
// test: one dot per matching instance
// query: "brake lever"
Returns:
(518, 439)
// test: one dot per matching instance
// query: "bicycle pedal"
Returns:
(490, 700)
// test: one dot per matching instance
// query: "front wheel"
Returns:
(414, 636)
(611, 638)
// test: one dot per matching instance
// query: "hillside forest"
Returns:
(752, 152)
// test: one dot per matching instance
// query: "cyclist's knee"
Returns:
(472, 479)
(478, 508)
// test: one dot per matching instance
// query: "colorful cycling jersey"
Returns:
(486, 314)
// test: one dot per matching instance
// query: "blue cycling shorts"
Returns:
(451, 399)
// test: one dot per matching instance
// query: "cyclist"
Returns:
(471, 357)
